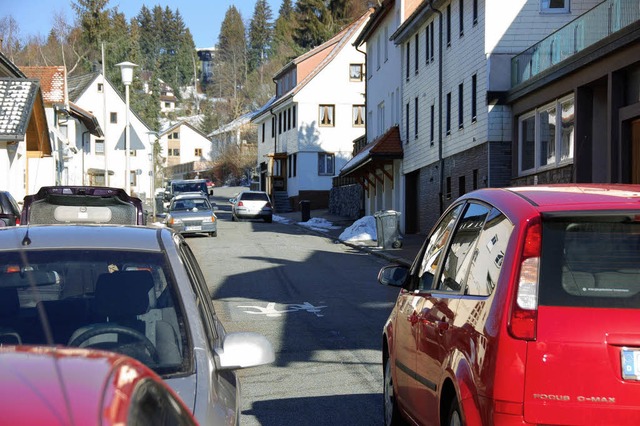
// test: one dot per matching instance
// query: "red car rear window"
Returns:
(591, 261)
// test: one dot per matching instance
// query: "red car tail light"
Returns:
(524, 309)
(17, 220)
(240, 204)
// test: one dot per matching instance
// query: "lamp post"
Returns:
(126, 68)
(152, 172)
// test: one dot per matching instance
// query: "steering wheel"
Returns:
(101, 329)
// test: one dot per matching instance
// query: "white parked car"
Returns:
(251, 205)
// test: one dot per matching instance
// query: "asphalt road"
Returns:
(318, 303)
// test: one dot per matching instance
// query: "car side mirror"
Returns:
(244, 350)
(393, 275)
(232, 200)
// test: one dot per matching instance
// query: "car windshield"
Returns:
(195, 204)
(189, 187)
(106, 299)
(591, 262)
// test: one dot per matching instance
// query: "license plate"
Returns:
(630, 363)
(193, 228)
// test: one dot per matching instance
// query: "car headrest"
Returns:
(9, 302)
(123, 294)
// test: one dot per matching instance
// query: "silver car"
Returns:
(192, 213)
(251, 205)
(129, 289)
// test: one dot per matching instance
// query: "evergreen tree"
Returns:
(93, 17)
(231, 66)
(314, 23)
(260, 34)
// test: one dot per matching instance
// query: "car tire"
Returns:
(234, 218)
(213, 234)
(268, 219)
(455, 417)
(389, 404)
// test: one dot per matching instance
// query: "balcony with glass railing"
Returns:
(591, 27)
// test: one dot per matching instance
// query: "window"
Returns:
(434, 251)
(448, 117)
(427, 45)
(280, 123)
(358, 116)
(460, 105)
(355, 72)
(546, 136)
(176, 135)
(462, 248)
(294, 164)
(293, 118)
(554, 6)
(167, 104)
(174, 152)
(474, 89)
(415, 117)
(327, 115)
(386, 43)
(461, 17)
(415, 48)
(475, 12)
(198, 152)
(133, 178)
(448, 15)
(113, 117)
(273, 127)
(100, 88)
(264, 129)
(462, 185)
(326, 164)
(408, 59)
(381, 120)
(99, 146)
(406, 120)
(448, 188)
(432, 124)
(475, 179)
(488, 256)
(432, 40)
(378, 51)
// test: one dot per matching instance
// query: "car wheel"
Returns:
(455, 418)
(213, 234)
(234, 218)
(397, 244)
(268, 219)
(390, 406)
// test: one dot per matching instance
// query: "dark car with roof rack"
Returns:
(82, 204)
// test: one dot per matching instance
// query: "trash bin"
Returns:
(305, 210)
(387, 229)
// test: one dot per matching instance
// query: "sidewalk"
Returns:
(411, 244)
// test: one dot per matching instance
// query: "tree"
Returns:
(230, 72)
(94, 23)
(314, 23)
(260, 34)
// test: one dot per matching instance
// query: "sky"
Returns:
(203, 18)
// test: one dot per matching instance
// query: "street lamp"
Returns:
(126, 68)
(152, 172)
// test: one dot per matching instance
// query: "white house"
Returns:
(185, 150)
(456, 61)
(25, 146)
(305, 136)
(96, 95)
(377, 163)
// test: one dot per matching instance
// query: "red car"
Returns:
(71, 386)
(522, 307)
